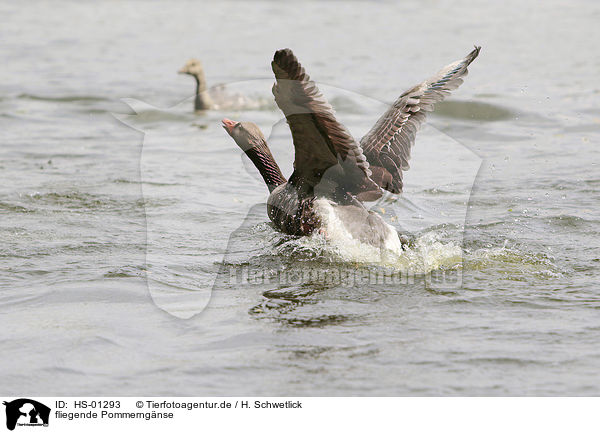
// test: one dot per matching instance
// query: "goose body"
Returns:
(334, 175)
(349, 220)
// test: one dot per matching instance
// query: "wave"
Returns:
(512, 262)
(472, 110)
(66, 98)
(76, 200)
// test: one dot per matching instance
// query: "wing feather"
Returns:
(326, 154)
(388, 144)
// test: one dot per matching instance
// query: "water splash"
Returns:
(426, 253)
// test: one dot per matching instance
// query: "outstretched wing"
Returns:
(326, 156)
(388, 144)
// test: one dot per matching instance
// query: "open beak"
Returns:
(229, 124)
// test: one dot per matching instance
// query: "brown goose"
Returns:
(333, 173)
(203, 100)
(216, 97)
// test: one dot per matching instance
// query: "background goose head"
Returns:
(194, 68)
(251, 140)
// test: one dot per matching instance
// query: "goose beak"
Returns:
(229, 124)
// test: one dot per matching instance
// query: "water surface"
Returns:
(98, 217)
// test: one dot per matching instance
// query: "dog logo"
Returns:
(26, 412)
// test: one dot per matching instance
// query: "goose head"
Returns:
(194, 68)
(251, 140)
(247, 135)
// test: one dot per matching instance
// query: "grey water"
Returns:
(127, 220)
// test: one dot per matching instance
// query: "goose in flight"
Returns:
(334, 175)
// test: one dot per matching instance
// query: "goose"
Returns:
(335, 175)
(203, 100)
(216, 97)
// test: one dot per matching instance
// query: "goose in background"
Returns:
(216, 97)
(203, 101)
(334, 175)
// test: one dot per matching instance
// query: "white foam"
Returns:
(426, 254)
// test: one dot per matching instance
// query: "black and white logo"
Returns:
(26, 412)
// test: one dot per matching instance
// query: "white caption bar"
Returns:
(160, 414)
